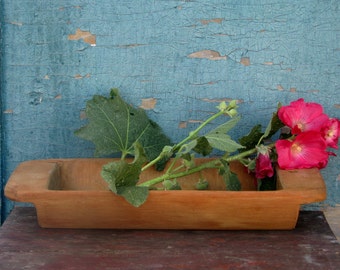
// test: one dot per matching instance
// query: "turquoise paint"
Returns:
(142, 47)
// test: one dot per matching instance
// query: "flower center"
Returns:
(296, 148)
(300, 126)
(330, 134)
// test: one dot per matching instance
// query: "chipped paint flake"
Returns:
(148, 103)
(279, 87)
(182, 124)
(292, 89)
(208, 54)
(207, 83)
(17, 23)
(245, 61)
(216, 20)
(195, 121)
(86, 36)
(79, 76)
(82, 115)
(9, 111)
(337, 106)
(219, 100)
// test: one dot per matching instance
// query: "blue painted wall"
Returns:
(1, 62)
(177, 59)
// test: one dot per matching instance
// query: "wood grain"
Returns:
(66, 206)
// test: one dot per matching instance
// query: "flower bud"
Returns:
(222, 106)
(232, 112)
(171, 185)
(202, 184)
(233, 104)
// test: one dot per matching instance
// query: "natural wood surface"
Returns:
(69, 193)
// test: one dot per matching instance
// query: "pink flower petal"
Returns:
(302, 116)
(307, 150)
(263, 167)
(331, 131)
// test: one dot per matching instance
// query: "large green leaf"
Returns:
(219, 139)
(135, 195)
(122, 178)
(223, 142)
(274, 125)
(251, 139)
(255, 135)
(114, 126)
(227, 126)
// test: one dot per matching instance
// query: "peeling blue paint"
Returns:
(143, 48)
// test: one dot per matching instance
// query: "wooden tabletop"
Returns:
(24, 245)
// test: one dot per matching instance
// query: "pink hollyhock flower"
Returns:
(263, 166)
(302, 116)
(307, 150)
(331, 131)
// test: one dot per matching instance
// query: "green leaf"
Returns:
(255, 135)
(114, 126)
(188, 160)
(268, 129)
(251, 139)
(268, 183)
(202, 184)
(219, 139)
(122, 178)
(227, 126)
(166, 154)
(135, 195)
(160, 165)
(274, 125)
(203, 147)
(231, 180)
(186, 148)
(223, 142)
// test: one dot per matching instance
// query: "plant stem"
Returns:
(191, 136)
(165, 176)
(151, 163)
(194, 133)
(215, 163)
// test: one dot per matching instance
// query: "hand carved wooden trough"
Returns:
(70, 193)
